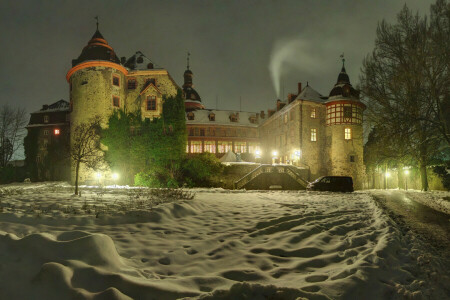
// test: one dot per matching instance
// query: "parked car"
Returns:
(332, 183)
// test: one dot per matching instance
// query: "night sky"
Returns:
(233, 44)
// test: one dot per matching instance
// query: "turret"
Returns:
(344, 129)
(192, 98)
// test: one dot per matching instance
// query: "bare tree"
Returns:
(85, 146)
(12, 131)
(405, 83)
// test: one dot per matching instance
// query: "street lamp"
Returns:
(406, 179)
(115, 176)
(274, 156)
(99, 176)
(386, 175)
(257, 153)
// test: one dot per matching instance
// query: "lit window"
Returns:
(116, 80)
(224, 146)
(190, 116)
(313, 134)
(151, 103)
(46, 132)
(348, 134)
(45, 144)
(212, 117)
(313, 113)
(131, 84)
(45, 119)
(240, 147)
(210, 146)
(116, 101)
(196, 147)
(285, 118)
(56, 131)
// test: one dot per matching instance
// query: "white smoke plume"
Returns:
(292, 53)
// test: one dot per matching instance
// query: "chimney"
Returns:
(257, 117)
(44, 107)
(299, 88)
(278, 104)
(262, 115)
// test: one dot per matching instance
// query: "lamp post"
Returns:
(274, 156)
(115, 176)
(406, 179)
(386, 175)
(99, 176)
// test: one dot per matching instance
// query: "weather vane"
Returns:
(96, 17)
(188, 54)
(343, 59)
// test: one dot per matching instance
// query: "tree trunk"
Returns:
(77, 169)
(423, 175)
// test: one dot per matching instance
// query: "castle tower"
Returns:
(344, 116)
(96, 82)
(192, 98)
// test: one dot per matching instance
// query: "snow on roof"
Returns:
(310, 94)
(229, 157)
(139, 62)
(222, 117)
(60, 105)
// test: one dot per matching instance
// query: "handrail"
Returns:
(291, 171)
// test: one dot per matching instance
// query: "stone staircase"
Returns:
(266, 177)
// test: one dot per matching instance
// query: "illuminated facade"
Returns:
(322, 134)
(100, 83)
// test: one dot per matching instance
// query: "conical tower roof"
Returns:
(97, 49)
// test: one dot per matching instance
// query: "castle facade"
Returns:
(320, 133)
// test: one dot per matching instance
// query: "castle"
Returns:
(321, 134)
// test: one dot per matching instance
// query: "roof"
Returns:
(222, 117)
(139, 62)
(310, 94)
(60, 105)
(97, 49)
(191, 94)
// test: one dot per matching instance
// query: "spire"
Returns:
(96, 17)
(343, 62)
(188, 54)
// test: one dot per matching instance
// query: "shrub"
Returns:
(202, 170)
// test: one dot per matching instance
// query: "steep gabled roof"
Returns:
(310, 94)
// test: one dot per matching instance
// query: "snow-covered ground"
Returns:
(125, 243)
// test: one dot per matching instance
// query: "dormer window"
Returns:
(212, 116)
(140, 60)
(252, 119)
(233, 117)
(190, 116)
(46, 119)
(116, 80)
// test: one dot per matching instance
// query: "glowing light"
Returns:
(258, 153)
(98, 175)
(388, 174)
(115, 176)
(406, 172)
(297, 153)
(274, 153)
(57, 132)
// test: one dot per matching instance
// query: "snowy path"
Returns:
(281, 244)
